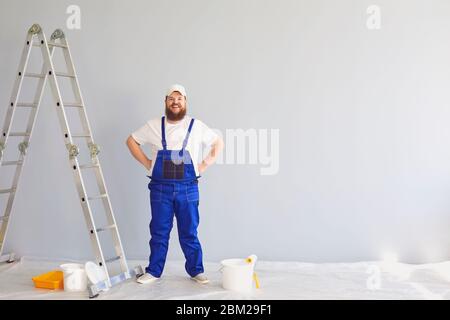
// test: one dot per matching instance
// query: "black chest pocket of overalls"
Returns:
(172, 170)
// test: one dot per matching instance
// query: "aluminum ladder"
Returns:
(36, 38)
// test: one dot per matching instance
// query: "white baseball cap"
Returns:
(176, 87)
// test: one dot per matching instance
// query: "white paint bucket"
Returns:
(238, 274)
(75, 278)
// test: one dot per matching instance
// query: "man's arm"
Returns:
(137, 153)
(216, 148)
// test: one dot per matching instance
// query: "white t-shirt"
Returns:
(150, 133)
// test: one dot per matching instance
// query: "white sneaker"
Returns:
(200, 278)
(146, 278)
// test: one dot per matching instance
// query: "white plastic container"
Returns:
(75, 278)
(237, 274)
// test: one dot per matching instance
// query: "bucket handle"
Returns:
(255, 278)
(67, 272)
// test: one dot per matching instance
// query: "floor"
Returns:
(278, 280)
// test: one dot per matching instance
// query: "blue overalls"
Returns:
(174, 190)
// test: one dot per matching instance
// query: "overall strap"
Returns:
(188, 133)
(163, 134)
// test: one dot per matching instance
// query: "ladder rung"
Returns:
(105, 228)
(11, 163)
(59, 45)
(88, 166)
(37, 43)
(72, 105)
(7, 190)
(26, 104)
(19, 134)
(62, 74)
(112, 259)
(3, 218)
(34, 75)
(81, 135)
(104, 195)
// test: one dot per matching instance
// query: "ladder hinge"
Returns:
(23, 147)
(73, 150)
(94, 149)
(35, 29)
(57, 34)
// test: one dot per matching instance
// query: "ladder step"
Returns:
(105, 228)
(11, 163)
(26, 105)
(3, 219)
(88, 166)
(7, 190)
(112, 259)
(37, 43)
(73, 105)
(19, 134)
(104, 195)
(35, 75)
(81, 135)
(59, 45)
(63, 74)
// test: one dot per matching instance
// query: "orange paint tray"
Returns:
(49, 280)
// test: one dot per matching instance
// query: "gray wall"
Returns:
(363, 118)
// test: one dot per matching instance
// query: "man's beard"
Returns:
(175, 116)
